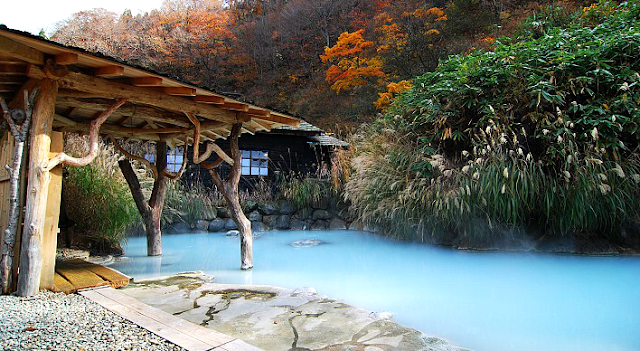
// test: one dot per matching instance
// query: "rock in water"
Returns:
(233, 233)
(306, 243)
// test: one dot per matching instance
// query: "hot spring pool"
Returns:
(482, 301)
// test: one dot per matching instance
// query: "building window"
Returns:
(174, 159)
(255, 163)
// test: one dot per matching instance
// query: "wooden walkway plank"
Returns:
(189, 328)
(150, 324)
(60, 284)
(76, 274)
(174, 329)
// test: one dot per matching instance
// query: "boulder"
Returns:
(230, 224)
(320, 225)
(283, 222)
(321, 214)
(299, 225)
(178, 228)
(250, 206)
(269, 221)
(304, 213)
(321, 204)
(286, 207)
(267, 209)
(258, 227)
(202, 225)
(337, 224)
(233, 233)
(255, 216)
(217, 225)
(223, 212)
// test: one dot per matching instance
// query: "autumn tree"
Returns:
(351, 67)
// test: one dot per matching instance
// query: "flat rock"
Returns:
(306, 243)
(280, 319)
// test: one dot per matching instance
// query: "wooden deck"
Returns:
(176, 330)
(73, 275)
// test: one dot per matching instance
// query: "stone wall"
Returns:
(279, 215)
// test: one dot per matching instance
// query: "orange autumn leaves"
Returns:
(355, 61)
(351, 67)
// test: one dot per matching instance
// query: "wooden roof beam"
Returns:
(235, 106)
(146, 81)
(279, 119)
(127, 110)
(209, 99)
(13, 69)
(179, 91)
(115, 90)
(110, 71)
(68, 58)
(20, 51)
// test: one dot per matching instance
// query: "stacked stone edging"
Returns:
(280, 215)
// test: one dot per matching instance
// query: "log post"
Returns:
(50, 234)
(151, 211)
(229, 189)
(38, 185)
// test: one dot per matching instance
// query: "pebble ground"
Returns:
(50, 321)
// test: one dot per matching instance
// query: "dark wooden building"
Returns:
(303, 150)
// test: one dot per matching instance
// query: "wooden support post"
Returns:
(38, 186)
(50, 234)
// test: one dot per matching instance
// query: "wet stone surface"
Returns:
(279, 319)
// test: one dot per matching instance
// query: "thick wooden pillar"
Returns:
(37, 189)
(52, 215)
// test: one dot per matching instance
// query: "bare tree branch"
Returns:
(63, 158)
(128, 155)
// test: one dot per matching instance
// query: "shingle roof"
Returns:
(328, 140)
(304, 126)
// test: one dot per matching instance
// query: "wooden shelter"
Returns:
(79, 91)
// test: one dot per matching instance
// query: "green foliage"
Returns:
(303, 191)
(188, 204)
(97, 198)
(542, 131)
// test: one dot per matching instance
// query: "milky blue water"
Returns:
(482, 301)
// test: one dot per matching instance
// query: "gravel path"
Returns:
(50, 321)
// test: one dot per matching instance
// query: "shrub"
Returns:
(542, 132)
(188, 204)
(96, 196)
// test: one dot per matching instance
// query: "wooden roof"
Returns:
(156, 105)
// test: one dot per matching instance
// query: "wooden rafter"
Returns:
(116, 90)
(20, 51)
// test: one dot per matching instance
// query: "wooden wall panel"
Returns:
(50, 233)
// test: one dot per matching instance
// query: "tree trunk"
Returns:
(36, 204)
(152, 227)
(6, 265)
(229, 190)
(151, 211)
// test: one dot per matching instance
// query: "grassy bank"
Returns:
(540, 132)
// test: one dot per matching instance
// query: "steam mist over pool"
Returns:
(482, 301)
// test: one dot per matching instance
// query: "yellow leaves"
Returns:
(387, 97)
(433, 31)
(348, 44)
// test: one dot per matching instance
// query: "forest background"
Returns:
(336, 63)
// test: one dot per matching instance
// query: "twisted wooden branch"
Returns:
(130, 156)
(211, 147)
(174, 176)
(63, 158)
